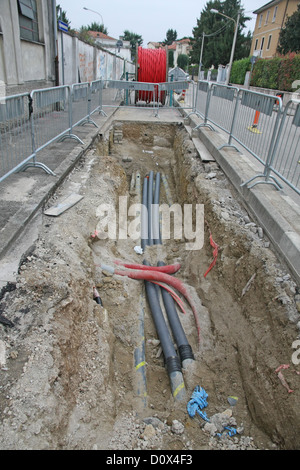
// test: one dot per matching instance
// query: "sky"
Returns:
(151, 19)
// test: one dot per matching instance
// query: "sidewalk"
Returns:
(24, 194)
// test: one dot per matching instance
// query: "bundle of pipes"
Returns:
(150, 235)
(158, 279)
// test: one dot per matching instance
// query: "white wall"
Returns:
(85, 63)
(24, 62)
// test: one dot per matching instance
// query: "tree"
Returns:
(62, 15)
(182, 61)
(83, 35)
(171, 36)
(171, 58)
(289, 37)
(134, 39)
(219, 32)
(100, 28)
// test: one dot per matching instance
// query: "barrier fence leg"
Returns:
(34, 163)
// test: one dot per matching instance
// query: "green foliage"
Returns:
(134, 39)
(171, 58)
(278, 73)
(171, 36)
(83, 35)
(239, 69)
(219, 32)
(62, 15)
(183, 61)
(100, 28)
(289, 38)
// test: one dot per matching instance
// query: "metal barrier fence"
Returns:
(255, 121)
(141, 94)
(15, 133)
(285, 158)
(258, 123)
(221, 107)
(31, 122)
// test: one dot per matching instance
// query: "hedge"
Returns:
(277, 73)
(239, 69)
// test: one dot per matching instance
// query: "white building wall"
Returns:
(85, 63)
(25, 65)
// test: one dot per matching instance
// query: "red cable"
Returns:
(152, 69)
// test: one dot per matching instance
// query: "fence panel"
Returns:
(96, 90)
(81, 96)
(202, 97)
(255, 123)
(128, 93)
(169, 90)
(51, 115)
(285, 160)
(15, 133)
(222, 103)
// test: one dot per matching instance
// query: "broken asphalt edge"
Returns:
(284, 237)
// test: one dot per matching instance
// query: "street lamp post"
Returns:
(236, 22)
(201, 55)
(97, 13)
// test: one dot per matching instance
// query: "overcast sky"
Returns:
(149, 18)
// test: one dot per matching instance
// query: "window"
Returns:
(260, 20)
(269, 42)
(262, 43)
(267, 17)
(28, 20)
(256, 44)
(274, 14)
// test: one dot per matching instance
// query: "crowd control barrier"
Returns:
(255, 121)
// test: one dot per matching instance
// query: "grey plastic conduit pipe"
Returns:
(139, 352)
(140, 358)
(171, 358)
(144, 216)
(150, 202)
(155, 215)
(185, 351)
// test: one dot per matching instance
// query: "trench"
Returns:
(246, 329)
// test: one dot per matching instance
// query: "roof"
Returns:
(98, 35)
(267, 5)
(187, 40)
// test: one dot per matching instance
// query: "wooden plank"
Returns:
(204, 154)
(64, 205)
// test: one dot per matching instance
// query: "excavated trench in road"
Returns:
(71, 380)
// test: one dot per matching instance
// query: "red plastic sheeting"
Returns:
(152, 69)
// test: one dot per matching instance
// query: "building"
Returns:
(270, 19)
(27, 44)
(183, 46)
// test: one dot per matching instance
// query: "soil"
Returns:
(69, 380)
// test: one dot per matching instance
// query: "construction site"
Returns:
(114, 337)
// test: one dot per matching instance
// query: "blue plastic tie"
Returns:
(197, 402)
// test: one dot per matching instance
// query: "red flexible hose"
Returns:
(164, 278)
(168, 269)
